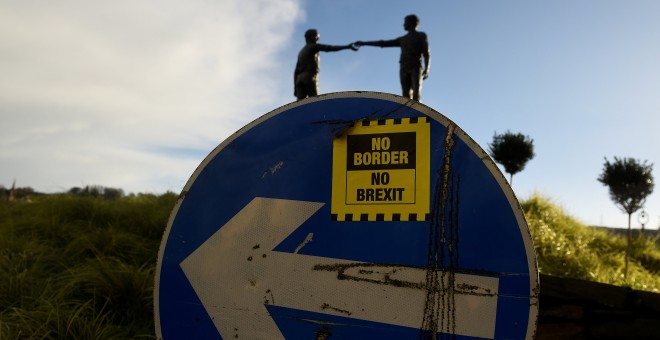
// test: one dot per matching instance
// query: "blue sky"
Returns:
(135, 95)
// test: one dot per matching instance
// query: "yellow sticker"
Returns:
(380, 171)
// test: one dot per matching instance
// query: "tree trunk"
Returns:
(625, 270)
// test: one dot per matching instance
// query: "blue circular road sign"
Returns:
(352, 214)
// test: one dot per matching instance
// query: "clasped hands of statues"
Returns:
(356, 46)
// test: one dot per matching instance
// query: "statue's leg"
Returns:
(416, 80)
(314, 86)
(406, 84)
(304, 83)
(299, 90)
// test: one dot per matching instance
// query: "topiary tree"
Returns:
(512, 150)
(629, 182)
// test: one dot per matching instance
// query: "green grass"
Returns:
(75, 267)
(567, 248)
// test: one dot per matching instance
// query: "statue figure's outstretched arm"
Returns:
(379, 43)
(334, 48)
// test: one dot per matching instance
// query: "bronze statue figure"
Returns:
(305, 77)
(414, 48)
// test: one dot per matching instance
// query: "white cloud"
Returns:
(90, 89)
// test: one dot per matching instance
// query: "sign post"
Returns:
(353, 214)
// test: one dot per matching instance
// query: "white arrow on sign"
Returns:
(235, 273)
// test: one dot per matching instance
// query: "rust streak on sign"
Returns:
(328, 306)
(400, 276)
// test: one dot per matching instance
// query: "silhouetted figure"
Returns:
(414, 48)
(305, 77)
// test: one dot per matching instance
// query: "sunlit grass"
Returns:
(567, 248)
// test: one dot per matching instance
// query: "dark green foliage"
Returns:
(512, 150)
(629, 182)
(98, 191)
(14, 193)
(80, 267)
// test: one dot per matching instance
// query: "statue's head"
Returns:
(311, 35)
(410, 22)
